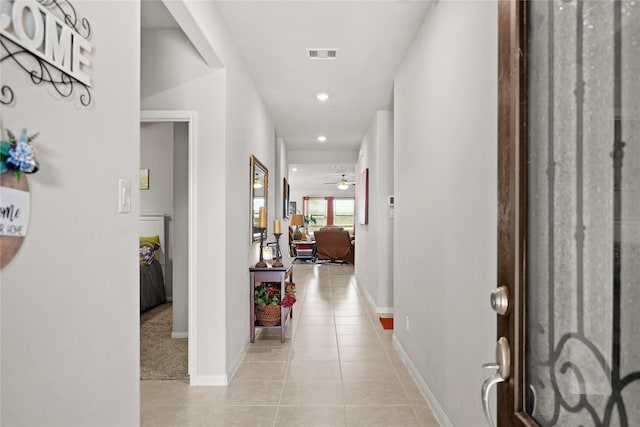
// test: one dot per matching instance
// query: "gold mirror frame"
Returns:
(258, 175)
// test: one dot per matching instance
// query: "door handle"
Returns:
(503, 370)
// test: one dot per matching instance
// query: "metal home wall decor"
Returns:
(584, 213)
(48, 40)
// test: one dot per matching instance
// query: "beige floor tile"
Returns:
(336, 353)
(177, 393)
(362, 354)
(263, 353)
(312, 393)
(308, 371)
(317, 320)
(374, 393)
(313, 312)
(381, 416)
(317, 353)
(351, 320)
(367, 371)
(349, 311)
(260, 371)
(413, 393)
(363, 328)
(252, 393)
(426, 417)
(271, 336)
(328, 329)
(315, 341)
(242, 416)
(363, 340)
(305, 416)
(175, 416)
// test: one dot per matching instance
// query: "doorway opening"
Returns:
(173, 200)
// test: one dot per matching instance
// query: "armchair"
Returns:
(334, 244)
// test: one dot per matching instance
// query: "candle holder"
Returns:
(261, 263)
(278, 262)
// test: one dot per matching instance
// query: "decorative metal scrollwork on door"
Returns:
(584, 213)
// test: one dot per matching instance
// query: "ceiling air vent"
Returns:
(322, 54)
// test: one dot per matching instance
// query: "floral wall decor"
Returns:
(17, 158)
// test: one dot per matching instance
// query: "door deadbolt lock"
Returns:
(500, 300)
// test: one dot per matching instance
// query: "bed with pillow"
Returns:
(152, 288)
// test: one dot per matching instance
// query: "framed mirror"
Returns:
(259, 185)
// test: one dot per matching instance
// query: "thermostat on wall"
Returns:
(391, 200)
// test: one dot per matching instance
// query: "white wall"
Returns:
(156, 154)
(446, 194)
(233, 124)
(70, 340)
(180, 228)
(374, 241)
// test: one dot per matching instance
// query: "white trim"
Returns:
(208, 380)
(182, 15)
(372, 303)
(437, 410)
(236, 364)
(179, 335)
(190, 117)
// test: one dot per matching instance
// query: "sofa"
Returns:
(334, 244)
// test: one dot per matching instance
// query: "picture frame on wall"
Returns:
(144, 179)
(363, 197)
(293, 208)
(285, 199)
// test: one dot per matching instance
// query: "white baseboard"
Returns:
(179, 335)
(197, 380)
(384, 310)
(437, 410)
(236, 363)
(372, 303)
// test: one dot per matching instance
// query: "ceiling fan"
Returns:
(343, 184)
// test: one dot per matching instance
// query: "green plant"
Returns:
(308, 219)
(268, 293)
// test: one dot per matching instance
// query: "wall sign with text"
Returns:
(17, 160)
(49, 42)
(15, 202)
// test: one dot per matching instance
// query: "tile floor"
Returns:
(337, 368)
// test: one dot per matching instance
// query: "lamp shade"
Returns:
(296, 219)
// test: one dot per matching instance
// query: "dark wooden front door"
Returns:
(569, 212)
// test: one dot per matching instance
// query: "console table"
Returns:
(271, 274)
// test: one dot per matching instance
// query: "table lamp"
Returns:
(298, 221)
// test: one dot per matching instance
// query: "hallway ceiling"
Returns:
(272, 38)
(372, 37)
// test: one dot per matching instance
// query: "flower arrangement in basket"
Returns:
(268, 301)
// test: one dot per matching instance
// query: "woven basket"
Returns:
(268, 315)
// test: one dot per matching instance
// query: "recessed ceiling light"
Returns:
(322, 138)
(322, 96)
(294, 169)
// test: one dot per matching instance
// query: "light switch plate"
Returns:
(124, 196)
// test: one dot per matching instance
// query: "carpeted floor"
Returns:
(161, 357)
